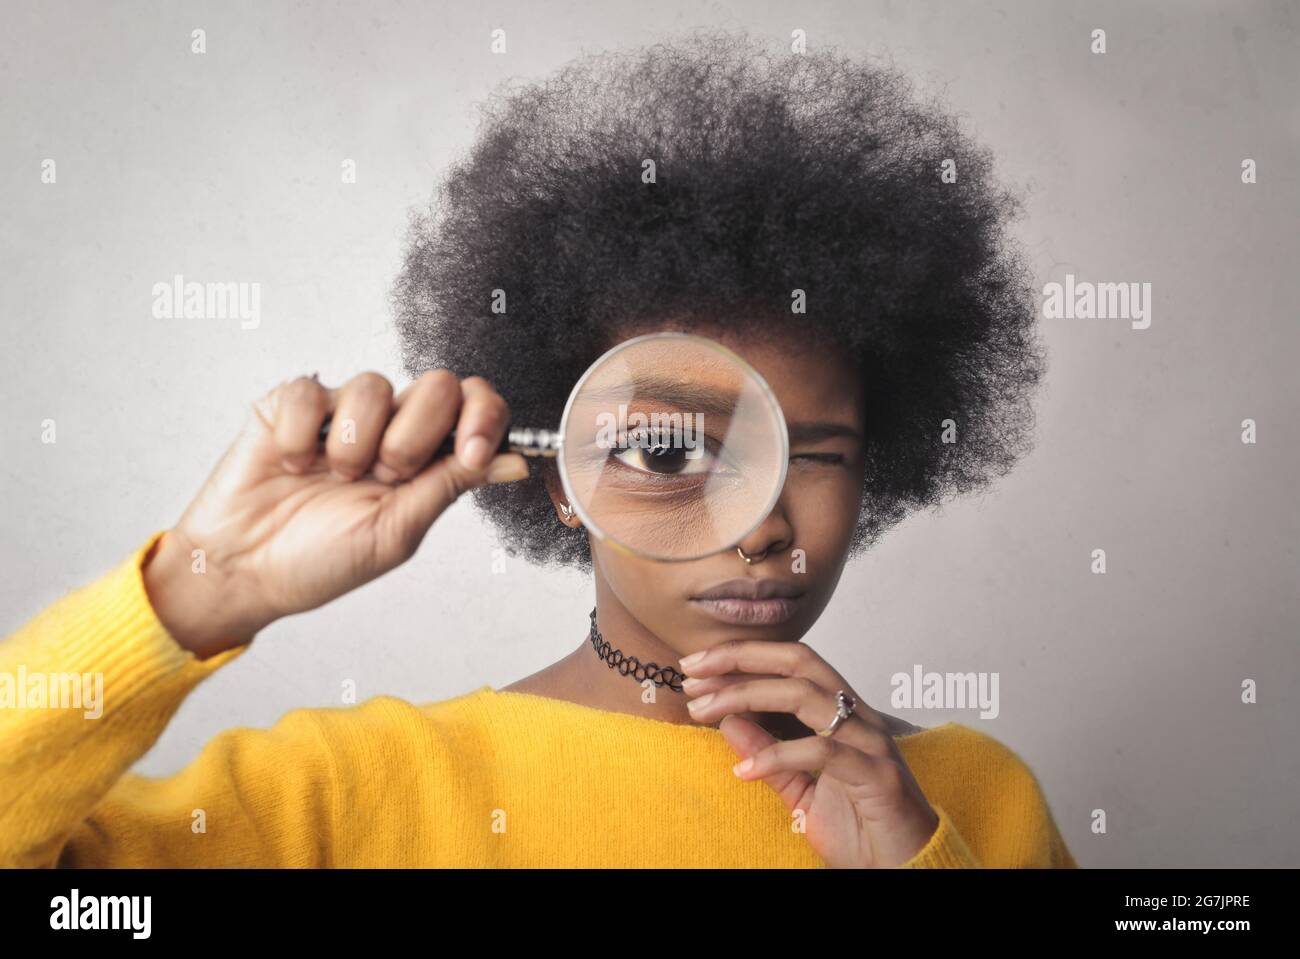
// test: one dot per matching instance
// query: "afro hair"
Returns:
(775, 172)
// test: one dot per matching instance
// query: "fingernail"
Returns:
(687, 662)
(690, 682)
(744, 766)
(476, 454)
(507, 469)
(700, 703)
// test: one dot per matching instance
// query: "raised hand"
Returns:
(285, 526)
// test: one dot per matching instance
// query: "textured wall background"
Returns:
(1121, 691)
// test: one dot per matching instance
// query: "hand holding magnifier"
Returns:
(671, 447)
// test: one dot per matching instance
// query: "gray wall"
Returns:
(1121, 691)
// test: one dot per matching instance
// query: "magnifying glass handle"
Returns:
(517, 439)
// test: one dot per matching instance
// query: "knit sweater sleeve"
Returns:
(86, 688)
(945, 850)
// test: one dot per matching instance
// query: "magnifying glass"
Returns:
(670, 447)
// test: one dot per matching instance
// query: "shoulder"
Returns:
(388, 727)
(387, 712)
(991, 794)
(963, 751)
(972, 773)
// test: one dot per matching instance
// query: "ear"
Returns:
(551, 477)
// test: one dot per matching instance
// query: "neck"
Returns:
(605, 687)
(583, 677)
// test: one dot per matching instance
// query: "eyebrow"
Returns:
(688, 395)
(683, 395)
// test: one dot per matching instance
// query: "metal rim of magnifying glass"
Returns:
(766, 390)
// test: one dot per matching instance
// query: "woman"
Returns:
(800, 209)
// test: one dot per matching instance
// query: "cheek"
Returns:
(654, 594)
(639, 584)
(825, 510)
(614, 568)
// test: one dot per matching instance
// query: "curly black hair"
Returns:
(775, 171)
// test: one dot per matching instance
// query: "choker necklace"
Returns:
(631, 666)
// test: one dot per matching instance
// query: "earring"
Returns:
(567, 511)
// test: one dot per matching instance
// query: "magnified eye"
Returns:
(658, 452)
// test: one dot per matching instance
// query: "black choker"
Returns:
(631, 666)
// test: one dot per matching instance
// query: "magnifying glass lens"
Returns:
(673, 447)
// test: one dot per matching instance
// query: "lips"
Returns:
(750, 602)
(752, 589)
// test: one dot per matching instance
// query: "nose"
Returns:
(770, 538)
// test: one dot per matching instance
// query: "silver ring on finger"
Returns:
(844, 706)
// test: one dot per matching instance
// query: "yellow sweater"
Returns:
(487, 778)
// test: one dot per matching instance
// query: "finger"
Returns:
(711, 684)
(811, 704)
(796, 660)
(762, 656)
(363, 407)
(426, 411)
(748, 739)
(780, 725)
(413, 506)
(819, 756)
(296, 410)
(484, 417)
